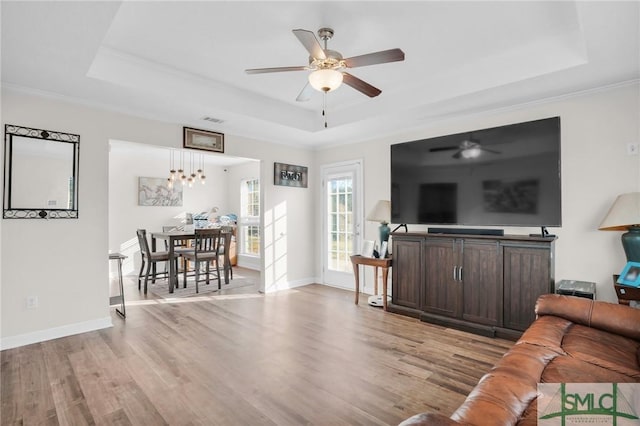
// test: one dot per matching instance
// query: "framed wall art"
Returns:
(290, 175)
(630, 275)
(154, 192)
(203, 140)
(40, 173)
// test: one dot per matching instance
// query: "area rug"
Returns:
(241, 278)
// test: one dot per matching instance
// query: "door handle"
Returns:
(454, 273)
(460, 273)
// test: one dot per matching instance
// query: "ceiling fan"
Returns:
(468, 148)
(328, 65)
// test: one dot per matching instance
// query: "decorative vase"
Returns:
(631, 243)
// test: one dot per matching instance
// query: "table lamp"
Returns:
(624, 215)
(381, 213)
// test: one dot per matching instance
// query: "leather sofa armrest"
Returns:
(429, 419)
(610, 317)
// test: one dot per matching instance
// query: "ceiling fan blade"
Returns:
(457, 154)
(490, 150)
(360, 85)
(305, 93)
(443, 148)
(277, 69)
(391, 55)
(310, 42)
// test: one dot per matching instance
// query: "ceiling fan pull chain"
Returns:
(324, 108)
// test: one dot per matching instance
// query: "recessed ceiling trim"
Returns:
(141, 75)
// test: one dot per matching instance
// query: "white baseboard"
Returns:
(368, 290)
(352, 287)
(249, 262)
(288, 285)
(54, 333)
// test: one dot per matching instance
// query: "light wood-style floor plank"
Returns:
(303, 356)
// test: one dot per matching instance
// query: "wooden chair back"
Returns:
(207, 242)
(144, 244)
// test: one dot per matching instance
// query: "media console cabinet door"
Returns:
(481, 277)
(407, 272)
(527, 272)
(443, 287)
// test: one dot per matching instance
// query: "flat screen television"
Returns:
(501, 176)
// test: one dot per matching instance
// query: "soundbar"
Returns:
(466, 231)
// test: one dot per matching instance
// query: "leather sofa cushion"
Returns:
(610, 351)
(571, 370)
(616, 319)
(508, 389)
(547, 332)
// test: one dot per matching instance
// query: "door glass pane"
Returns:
(340, 218)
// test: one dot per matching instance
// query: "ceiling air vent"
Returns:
(213, 120)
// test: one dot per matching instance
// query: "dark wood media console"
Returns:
(484, 284)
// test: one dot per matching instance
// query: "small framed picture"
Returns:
(630, 275)
(203, 140)
(290, 175)
(367, 248)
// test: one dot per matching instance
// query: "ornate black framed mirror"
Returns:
(40, 174)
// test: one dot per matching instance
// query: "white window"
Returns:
(250, 217)
(340, 226)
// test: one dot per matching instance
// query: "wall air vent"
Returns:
(213, 120)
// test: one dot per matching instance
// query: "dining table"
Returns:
(178, 235)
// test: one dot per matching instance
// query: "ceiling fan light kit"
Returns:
(328, 66)
(325, 80)
(471, 152)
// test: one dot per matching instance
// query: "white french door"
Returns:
(342, 221)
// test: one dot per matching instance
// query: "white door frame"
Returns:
(354, 166)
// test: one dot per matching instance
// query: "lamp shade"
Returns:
(381, 212)
(624, 213)
(325, 80)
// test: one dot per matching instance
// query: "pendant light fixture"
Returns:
(183, 178)
(181, 174)
(201, 170)
(172, 171)
(191, 175)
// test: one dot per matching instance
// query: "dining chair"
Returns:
(225, 245)
(179, 247)
(206, 249)
(149, 258)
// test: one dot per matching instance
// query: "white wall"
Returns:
(596, 128)
(71, 279)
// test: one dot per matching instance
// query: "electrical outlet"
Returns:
(632, 148)
(32, 302)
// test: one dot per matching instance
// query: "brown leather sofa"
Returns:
(573, 340)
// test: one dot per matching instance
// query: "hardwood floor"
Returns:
(303, 356)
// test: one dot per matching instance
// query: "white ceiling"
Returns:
(181, 61)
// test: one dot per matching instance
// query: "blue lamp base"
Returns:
(630, 243)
